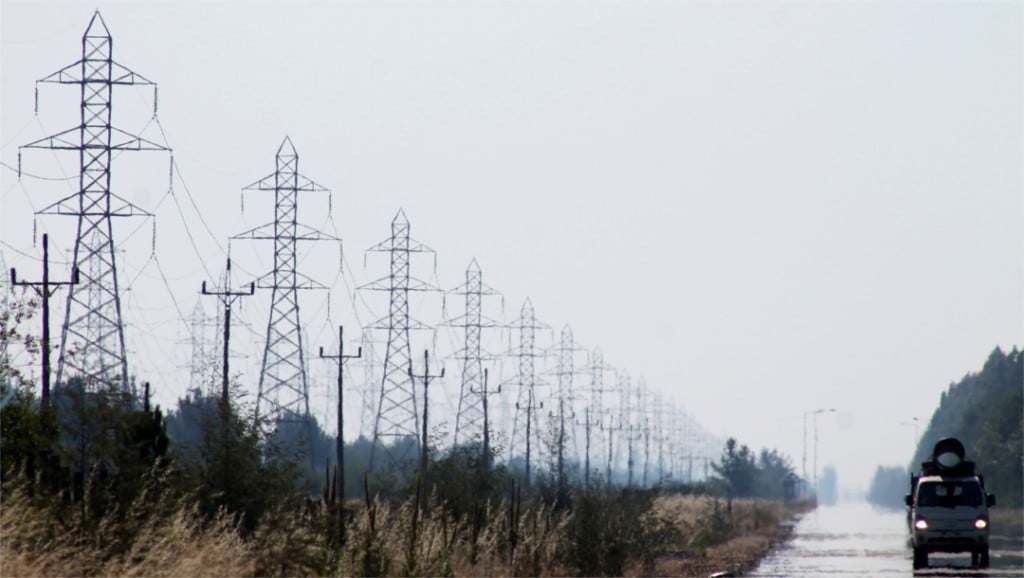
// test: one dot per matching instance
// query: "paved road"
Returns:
(855, 539)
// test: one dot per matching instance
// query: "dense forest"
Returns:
(985, 410)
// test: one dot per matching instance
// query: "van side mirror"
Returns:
(990, 500)
(909, 499)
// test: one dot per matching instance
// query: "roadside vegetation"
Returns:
(985, 411)
(236, 505)
(97, 482)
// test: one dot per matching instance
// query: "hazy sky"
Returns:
(763, 208)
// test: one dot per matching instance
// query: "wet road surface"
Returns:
(856, 539)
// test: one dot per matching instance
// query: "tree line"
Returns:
(984, 410)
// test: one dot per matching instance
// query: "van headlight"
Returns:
(981, 523)
(922, 524)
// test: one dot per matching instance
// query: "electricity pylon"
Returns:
(658, 431)
(623, 421)
(283, 387)
(524, 423)
(92, 336)
(643, 425)
(200, 380)
(370, 387)
(397, 417)
(469, 419)
(565, 371)
(595, 408)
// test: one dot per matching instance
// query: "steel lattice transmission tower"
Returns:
(524, 423)
(622, 380)
(368, 416)
(564, 414)
(595, 409)
(397, 416)
(204, 352)
(469, 421)
(92, 336)
(283, 386)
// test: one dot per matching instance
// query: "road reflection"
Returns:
(857, 539)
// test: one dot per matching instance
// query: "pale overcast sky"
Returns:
(763, 208)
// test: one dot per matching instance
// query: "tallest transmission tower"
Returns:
(283, 387)
(92, 336)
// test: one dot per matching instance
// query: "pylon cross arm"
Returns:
(388, 245)
(57, 141)
(267, 281)
(268, 232)
(69, 140)
(270, 183)
(70, 206)
(119, 74)
(386, 284)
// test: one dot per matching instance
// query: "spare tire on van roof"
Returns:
(948, 453)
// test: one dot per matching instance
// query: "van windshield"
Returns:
(949, 494)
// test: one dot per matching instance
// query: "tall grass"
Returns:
(165, 534)
(162, 537)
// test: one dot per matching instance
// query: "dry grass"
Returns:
(717, 540)
(172, 539)
(442, 546)
(34, 542)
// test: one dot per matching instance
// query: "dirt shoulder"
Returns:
(720, 538)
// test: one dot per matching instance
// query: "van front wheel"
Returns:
(920, 558)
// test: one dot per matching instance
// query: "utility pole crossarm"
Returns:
(43, 289)
(425, 377)
(340, 438)
(227, 298)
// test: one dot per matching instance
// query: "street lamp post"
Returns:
(815, 413)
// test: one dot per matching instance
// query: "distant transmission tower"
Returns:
(371, 386)
(469, 419)
(397, 417)
(283, 386)
(564, 415)
(92, 336)
(201, 379)
(643, 425)
(524, 424)
(595, 408)
(623, 421)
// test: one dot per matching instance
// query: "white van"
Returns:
(949, 507)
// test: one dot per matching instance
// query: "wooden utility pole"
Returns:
(425, 378)
(483, 393)
(227, 297)
(611, 436)
(587, 425)
(42, 288)
(339, 479)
